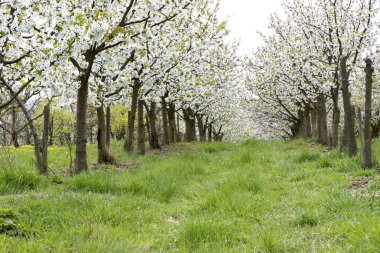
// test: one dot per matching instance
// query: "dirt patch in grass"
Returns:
(366, 187)
(360, 183)
(126, 166)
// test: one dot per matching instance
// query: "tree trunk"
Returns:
(322, 136)
(108, 130)
(104, 155)
(51, 132)
(367, 149)
(307, 124)
(202, 129)
(5, 143)
(172, 124)
(348, 114)
(165, 123)
(140, 129)
(42, 168)
(210, 133)
(376, 126)
(153, 136)
(361, 130)
(128, 144)
(188, 116)
(14, 129)
(81, 127)
(336, 118)
(178, 138)
(45, 138)
(314, 129)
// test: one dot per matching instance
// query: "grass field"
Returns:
(254, 196)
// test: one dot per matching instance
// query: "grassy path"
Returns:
(247, 197)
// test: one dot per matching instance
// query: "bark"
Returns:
(172, 123)
(188, 116)
(28, 137)
(45, 138)
(307, 124)
(128, 144)
(51, 132)
(348, 113)
(140, 129)
(81, 127)
(202, 129)
(81, 116)
(104, 155)
(5, 137)
(41, 167)
(376, 126)
(14, 129)
(336, 119)
(165, 122)
(322, 136)
(209, 133)
(343, 138)
(108, 130)
(152, 122)
(218, 135)
(178, 137)
(367, 148)
(297, 128)
(314, 129)
(360, 126)
(91, 136)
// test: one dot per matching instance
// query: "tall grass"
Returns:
(254, 196)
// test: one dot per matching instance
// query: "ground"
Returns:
(255, 196)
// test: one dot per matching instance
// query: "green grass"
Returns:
(254, 196)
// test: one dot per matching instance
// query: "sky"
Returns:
(246, 17)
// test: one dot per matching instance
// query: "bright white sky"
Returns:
(246, 17)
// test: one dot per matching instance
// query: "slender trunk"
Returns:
(218, 135)
(51, 132)
(28, 137)
(210, 133)
(188, 116)
(202, 129)
(140, 129)
(5, 143)
(297, 128)
(165, 123)
(91, 136)
(104, 155)
(172, 124)
(128, 144)
(335, 126)
(322, 136)
(148, 131)
(343, 138)
(336, 117)
(81, 127)
(14, 129)
(376, 126)
(81, 117)
(348, 114)
(45, 138)
(152, 116)
(307, 124)
(178, 138)
(42, 168)
(314, 129)
(367, 148)
(108, 130)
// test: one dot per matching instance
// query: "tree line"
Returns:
(160, 71)
(315, 75)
